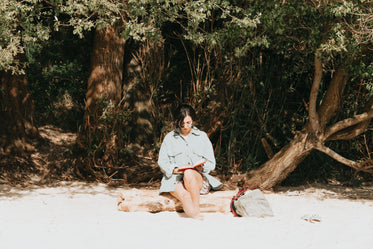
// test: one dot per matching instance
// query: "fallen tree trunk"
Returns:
(280, 165)
(150, 201)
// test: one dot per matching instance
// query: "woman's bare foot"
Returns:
(199, 217)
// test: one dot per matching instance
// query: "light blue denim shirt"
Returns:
(177, 151)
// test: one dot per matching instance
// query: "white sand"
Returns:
(78, 215)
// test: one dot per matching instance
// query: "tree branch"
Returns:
(332, 101)
(357, 119)
(314, 118)
(348, 134)
(359, 124)
(338, 157)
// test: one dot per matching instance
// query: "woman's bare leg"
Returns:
(193, 183)
(184, 196)
(188, 193)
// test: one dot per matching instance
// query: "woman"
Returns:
(183, 147)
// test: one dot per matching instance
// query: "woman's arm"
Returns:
(208, 155)
(163, 160)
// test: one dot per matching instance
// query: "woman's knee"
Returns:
(192, 177)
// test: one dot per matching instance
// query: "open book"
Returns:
(197, 164)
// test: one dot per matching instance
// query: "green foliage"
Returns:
(258, 112)
(87, 14)
(21, 24)
(108, 128)
(57, 74)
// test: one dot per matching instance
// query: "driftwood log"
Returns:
(136, 200)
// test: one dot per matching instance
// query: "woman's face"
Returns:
(186, 125)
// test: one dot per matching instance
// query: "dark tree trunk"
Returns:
(105, 80)
(103, 96)
(16, 114)
(281, 164)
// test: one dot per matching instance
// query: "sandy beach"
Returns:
(81, 215)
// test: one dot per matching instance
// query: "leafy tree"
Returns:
(333, 37)
(22, 25)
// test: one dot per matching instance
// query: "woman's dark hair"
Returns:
(181, 112)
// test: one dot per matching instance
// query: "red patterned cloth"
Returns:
(206, 185)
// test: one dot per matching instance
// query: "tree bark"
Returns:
(355, 120)
(333, 100)
(104, 93)
(150, 201)
(105, 80)
(353, 127)
(313, 115)
(16, 113)
(281, 165)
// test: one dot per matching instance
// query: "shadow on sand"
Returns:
(325, 191)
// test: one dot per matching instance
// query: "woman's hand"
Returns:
(199, 168)
(181, 169)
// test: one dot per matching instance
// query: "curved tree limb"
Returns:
(355, 165)
(313, 115)
(348, 134)
(357, 119)
(358, 124)
(332, 101)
